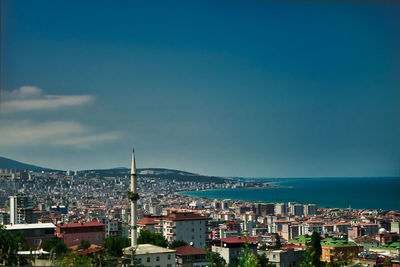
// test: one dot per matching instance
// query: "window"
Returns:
(158, 258)
(169, 257)
(169, 265)
(148, 259)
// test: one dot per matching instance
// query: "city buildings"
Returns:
(152, 256)
(35, 234)
(189, 256)
(232, 247)
(338, 249)
(186, 226)
(73, 233)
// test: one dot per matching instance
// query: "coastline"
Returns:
(328, 193)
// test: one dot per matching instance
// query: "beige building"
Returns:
(152, 256)
(187, 226)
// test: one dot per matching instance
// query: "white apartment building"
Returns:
(187, 226)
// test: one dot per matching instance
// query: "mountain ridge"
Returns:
(162, 173)
(7, 163)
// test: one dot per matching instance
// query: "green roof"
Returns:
(391, 246)
(301, 239)
(333, 242)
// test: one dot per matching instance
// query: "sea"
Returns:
(359, 193)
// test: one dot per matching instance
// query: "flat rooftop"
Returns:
(29, 226)
(144, 249)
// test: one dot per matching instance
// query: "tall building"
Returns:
(21, 207)
(310, 209)
(187, 226)
(264, 209)
(296, 210)
(281, 209)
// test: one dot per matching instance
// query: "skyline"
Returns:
(291, 89)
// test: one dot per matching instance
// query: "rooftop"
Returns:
(332, 242)
(75, 225)
(184, 216)
(189, 250)
(301, 239)
(143, 249)
(149, 219)
(29, 226)
(238, 239)
(392, 246)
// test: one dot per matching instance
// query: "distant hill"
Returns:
(6, 163)
(156, 173)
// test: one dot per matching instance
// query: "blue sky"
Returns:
(229, 88)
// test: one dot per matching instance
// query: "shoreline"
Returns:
(322, 203)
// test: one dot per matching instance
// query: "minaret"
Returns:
(134, 197)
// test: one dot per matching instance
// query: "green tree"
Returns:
(115, 244)
(73, 259)
(10, 244)
(147, 237)
(278, 243)
(84, 244)
(215, 258)
(312, 254)
(177, 243)
(250, 259)
(56, 246)
(262, 261)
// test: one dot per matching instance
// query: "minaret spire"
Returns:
(133, 197)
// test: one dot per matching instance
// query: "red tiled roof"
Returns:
(86, 224)
(184, 216)
(189, 250)
(149, 219)
(238, 239)
(90, 251)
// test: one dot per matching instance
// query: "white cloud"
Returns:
(61, 133)
(32, 98)
(85, 140)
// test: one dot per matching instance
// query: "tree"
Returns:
(56, 246)
(177, 243)
(250, 259)
(10, 244)
(215, 258)
(84, 244)
(312, 254)
(278, 243)
(147, 237)
(115, 244)
(263, 261)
